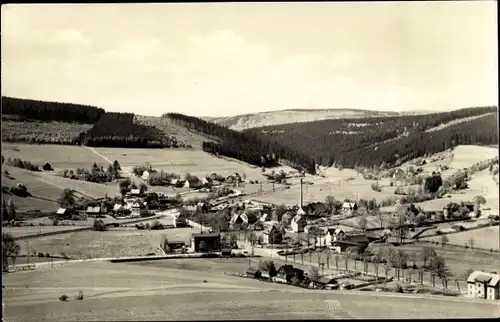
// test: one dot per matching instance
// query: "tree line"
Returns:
(50, 111)
(392, 140)
(247, 147)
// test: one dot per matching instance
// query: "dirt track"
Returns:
(132, 292)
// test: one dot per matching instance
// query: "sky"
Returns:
(223, 59)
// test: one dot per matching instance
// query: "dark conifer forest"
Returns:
(247, 147)
(119, 130)
(371, 141)
(50, 111)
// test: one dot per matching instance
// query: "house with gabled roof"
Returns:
(299, 222)
(349, 207)
(272, 235)
(483, 285)
(238, 219)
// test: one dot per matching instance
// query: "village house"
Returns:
(237, 220)
(65, 213)
(145, 175)
(253, 273)
(174, 244)
(96, 210)
(139, 208)
(265, 217)
(272, 235)
(483, 285)
(352, 239)
(348, 208)
(299, 222)
(205, 242)
(287, 272)
(203, 207)
(333, 235)
(180, 220)
(326, 283)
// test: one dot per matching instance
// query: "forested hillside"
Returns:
(119, 130)
(371, 141)
(50, 111)
(247, 147)
(247, 121)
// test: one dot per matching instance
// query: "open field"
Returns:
(159, 293)
(60, 156)
(34, 230)
(345, 184)
(484, 238)
(112, 243)
(371, 222)
(182, 161)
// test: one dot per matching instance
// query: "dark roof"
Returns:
(288, 269)
(206, 235)
(252, 271)
(226, 250)
(175, 241)
(358, 239)
(298, 270)
(483, 278)
(326, 280)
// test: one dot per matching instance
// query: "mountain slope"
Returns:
(372, 141)
(247, 121)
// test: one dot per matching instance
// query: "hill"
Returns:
(62, 123)
(391, 140)
(247, 121)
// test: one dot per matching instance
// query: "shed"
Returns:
(254, 273)
(47, 166)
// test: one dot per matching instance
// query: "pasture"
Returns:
(60, 156)
(344, 184)
(122, 291)
(120, 242)
(35, 230)
(182, 161)
(484, 238)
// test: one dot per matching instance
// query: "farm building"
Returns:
(483, 285)
(65, 212)
(96, 210)
(349, 207)
(174, 244)
(265, 217)
(272, 235)
(47, 166)
(357, 240)
(326, 282)
(254, 273)
(203, 207)
(145, 175)
(205, 242)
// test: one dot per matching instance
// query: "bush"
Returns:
(55, 221)
(376, 187)
(99, 225)
(156, 225)
(40, 254)
(47, 255)
(63, 298)
(79, 296)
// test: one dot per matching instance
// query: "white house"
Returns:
(299, 222)
(334, 234)
(348, 208)
(483, 285)
(265, 217)
(145, 175)
(186, 184)
(139, 209)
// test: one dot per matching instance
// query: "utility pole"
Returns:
(301, 193)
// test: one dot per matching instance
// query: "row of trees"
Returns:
(22, 164)
(390, 140)
(51, 111)
(246, 147)
(95, 174)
